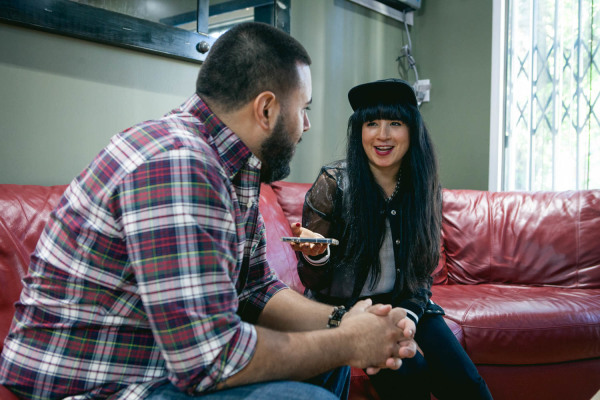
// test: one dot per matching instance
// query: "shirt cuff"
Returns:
(252, 303)
(410, 314)
(318, 261)
(240, 351)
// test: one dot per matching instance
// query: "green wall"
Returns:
(63, 98)
(452, 43)
(349, 45)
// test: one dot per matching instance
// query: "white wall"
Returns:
(349, 45)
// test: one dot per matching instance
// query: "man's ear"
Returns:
(266, 110)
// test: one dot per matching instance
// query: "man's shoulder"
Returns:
(147, 142)
(167, 133)
(157, 138)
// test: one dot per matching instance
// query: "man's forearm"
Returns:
(291, 356)
(288, 311)
(292, 342)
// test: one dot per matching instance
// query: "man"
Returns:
(150, 280)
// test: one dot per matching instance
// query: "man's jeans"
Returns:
(329, 386)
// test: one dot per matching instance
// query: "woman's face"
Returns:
(385, 143)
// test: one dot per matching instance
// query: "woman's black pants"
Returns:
(446, 370)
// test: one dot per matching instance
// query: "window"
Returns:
(551, 99)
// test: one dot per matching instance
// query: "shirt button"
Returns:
(397, 241)
(393, 212)
(398, 270)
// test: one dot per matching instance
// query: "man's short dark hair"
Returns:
(247, 60)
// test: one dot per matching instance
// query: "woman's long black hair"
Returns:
(420, 193)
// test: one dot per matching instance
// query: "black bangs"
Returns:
(394, 112)
(406, 113)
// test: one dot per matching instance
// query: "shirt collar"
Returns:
(232, 151)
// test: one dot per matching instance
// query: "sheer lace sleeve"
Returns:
(318, 216)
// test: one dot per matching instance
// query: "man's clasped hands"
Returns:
(379, 348)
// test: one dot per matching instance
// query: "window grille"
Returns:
(552, 112)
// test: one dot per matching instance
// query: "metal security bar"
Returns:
(552, 117)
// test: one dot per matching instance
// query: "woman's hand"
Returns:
(308, 249)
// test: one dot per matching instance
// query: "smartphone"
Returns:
(295, 239)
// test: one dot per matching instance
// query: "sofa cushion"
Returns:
(440, 274)
(25, 210)
(540, 238)
(282, 258)
(291, 198)
(570, 380)
(6, 394)
(505, 324)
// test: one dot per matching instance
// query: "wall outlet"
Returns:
(422, 88)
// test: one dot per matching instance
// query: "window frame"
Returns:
(497, 99)
(501, 148)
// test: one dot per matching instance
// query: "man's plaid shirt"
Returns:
(148, 265)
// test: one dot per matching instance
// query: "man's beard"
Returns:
(277, 152)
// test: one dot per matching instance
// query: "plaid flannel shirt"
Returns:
(151, 268)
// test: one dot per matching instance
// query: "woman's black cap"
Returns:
(386, 91)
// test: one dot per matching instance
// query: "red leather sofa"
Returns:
(519, 279)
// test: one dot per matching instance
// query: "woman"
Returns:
(383, 204)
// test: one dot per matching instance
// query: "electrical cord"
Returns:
(421, 88)
(407, 50)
